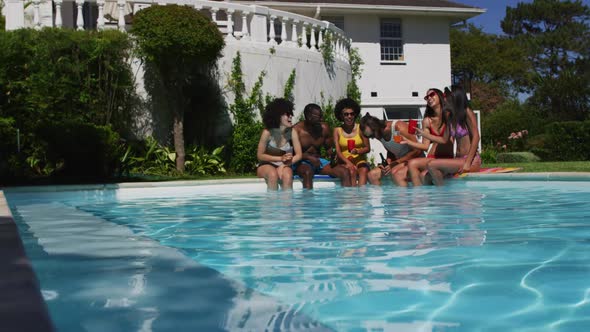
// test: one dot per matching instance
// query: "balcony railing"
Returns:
(238, 23)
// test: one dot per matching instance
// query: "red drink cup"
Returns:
(412, 124)
(351, 144)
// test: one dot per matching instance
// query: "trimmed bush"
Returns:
(510, 117)
(80, 149)
(567, 141)
(517, 157)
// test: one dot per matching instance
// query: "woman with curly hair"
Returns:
(351, 145)
(278, 147)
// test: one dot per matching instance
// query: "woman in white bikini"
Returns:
(463, 129)
(278, 147)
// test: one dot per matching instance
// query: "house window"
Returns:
(403, 113)
(338, 21)
(392, 48)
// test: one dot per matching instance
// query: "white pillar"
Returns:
(271, 33)
(36, 14)
(294, 35)
(304, 35)
(313, 40)
(258, 30)
(58, 20)
(100, 19)
(14, 11)
(245, 30)
(79, 16)
(230, 25)
(121, 19)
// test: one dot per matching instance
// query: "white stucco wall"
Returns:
(312, 81)
(427, 59)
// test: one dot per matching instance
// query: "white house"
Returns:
(404, 44)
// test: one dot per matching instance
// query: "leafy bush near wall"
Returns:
(151, 158)
(74, 148)
(54, 76)
(567, 141)
(356, 62)
(247, 126)
(59, 74)
(517, 157)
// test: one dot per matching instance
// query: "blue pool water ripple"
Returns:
(466, 257)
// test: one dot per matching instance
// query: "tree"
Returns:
(556, 36)
(183, 46)
(495, 63)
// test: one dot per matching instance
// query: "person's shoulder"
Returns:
(299, 125)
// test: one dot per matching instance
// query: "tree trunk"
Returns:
(179, 139)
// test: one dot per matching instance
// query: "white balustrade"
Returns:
(257, 23)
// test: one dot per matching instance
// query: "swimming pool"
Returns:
(473, 255)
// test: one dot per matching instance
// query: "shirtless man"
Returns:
(313, 134)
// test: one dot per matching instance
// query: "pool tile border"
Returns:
(22, 307)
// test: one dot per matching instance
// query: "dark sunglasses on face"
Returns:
(345, 114)
(430, 95)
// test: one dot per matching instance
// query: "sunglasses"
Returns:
(430, 95)
(345, 114)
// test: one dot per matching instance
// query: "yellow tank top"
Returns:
(358, 144)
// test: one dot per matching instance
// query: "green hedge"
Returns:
(516, 157)
(567, 141)
(79, 149)
(510, 117)
(61, 76)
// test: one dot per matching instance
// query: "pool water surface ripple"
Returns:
(471, 256)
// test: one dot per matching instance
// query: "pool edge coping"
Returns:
(19, 281)
(543, 176)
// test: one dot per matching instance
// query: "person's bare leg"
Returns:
(269, 174)
(416, 166)
(399, 175)
(440, 167)
(340, 172)
(375, 176)
(306, 173)
(286, 177)
(363, 172)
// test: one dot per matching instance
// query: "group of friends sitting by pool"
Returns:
(285, 149)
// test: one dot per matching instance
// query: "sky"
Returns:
(496, 10)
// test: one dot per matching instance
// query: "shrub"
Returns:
(183, 45)
(74, 148)
(510, 118)
(516, 157)
(489, 155)
(568, 141)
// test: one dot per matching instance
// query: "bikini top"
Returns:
(287, 148)
(434, 133)
(459, 131)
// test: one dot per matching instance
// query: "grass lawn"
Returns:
(554, 166)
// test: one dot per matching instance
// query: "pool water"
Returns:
(470, 256)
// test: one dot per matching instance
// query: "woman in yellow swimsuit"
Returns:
(351, 146)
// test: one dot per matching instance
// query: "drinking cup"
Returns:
(412, 124)
(351, 144)
(397, 137)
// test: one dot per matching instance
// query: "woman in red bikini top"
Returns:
(435, 123)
